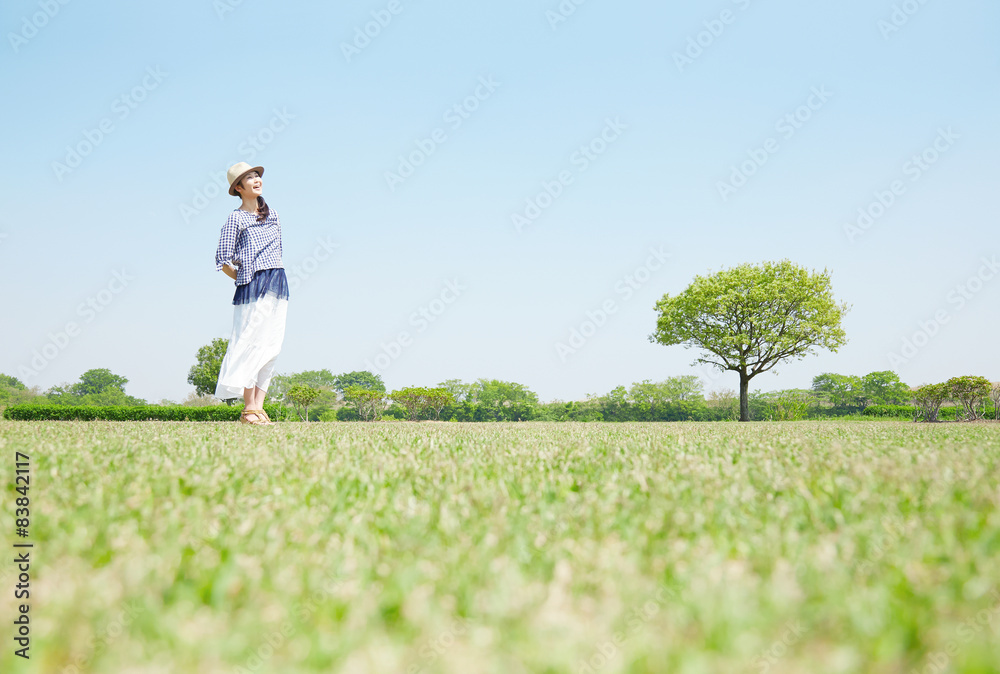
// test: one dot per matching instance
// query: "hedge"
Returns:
(137, 413)
(949, 413)
(892, 411)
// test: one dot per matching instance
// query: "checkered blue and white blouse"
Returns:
(249, 245)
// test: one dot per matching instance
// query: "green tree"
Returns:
(204, 374)
(281, 384)
(320, 380)
(362, 379)
(99, 380)
(671, 389)
(497, 393)
(12, 382)
(437, 399)
(459, 391)
(303, 396)
(684, 387)
(413, 400)
(14, 392)
(646, 393)
(971, 393)
(418, 401)
(615, 406)
(928, 399)
(725, 404)
(497, 400)
(884, 388)
(788, 405)
(96, 387)
(369, 403)
(844, 392)
(752, 317)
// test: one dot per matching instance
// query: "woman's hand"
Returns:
(229, 271)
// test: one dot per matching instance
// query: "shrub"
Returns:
(395, 411)
(891, 411)
(136, 413)
(368, 403)
(303, 395)
(348, 414)
(789, 405)
(971, 393)
(928, 399)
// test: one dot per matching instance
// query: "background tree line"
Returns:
(319, 395)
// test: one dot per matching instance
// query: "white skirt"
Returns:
(258, 331)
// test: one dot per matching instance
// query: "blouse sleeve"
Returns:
(227, 242)
(280, 252)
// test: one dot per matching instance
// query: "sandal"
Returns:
(264, 420)
(258, 419)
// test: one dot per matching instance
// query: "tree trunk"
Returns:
(744, 397)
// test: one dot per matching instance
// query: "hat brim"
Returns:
(232, 188)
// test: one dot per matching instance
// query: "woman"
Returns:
(250, 253)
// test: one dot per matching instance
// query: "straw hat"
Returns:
(237, 171)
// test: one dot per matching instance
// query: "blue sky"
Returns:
(610, 129)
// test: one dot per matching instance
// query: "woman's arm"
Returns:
(227, 247)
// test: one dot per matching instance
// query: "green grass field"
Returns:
(397, 547)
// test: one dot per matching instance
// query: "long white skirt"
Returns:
(258, 331)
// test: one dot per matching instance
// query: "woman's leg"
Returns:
(250, 403)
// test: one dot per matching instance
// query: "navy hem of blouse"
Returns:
(264, 281)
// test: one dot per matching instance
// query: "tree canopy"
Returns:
(750, 318)
(362, 379)
(98, 386)
(303, 395)
(12, 382)
(204, 374)
(100, 380)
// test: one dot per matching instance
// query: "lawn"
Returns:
(535, 547)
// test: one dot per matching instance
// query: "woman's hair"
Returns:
(262, 206)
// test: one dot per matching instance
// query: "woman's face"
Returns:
(251, 184)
